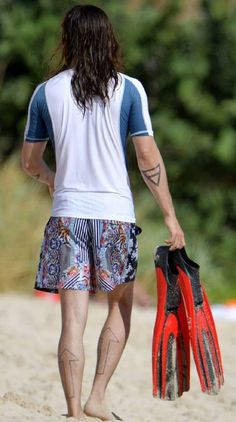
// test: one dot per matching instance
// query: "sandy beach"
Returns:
(30, 388)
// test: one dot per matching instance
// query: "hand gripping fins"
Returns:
(202, 331)
(170, 348)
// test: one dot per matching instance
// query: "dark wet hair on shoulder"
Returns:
(89, 46)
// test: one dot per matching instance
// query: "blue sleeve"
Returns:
(139, 118)
(36, 129)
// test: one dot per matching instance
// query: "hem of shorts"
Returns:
(89, 289)
(94, 217)
(56, 291)
(116, 285)
(29, 139)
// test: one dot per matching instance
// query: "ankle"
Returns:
(98, 395)
(77, 415)
(75, 411)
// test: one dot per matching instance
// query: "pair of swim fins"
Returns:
(183, 318)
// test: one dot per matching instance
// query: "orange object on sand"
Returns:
(53, 297)
(230, 302)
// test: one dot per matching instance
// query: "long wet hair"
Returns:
(89, 46)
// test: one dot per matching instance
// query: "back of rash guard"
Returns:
(90, 148)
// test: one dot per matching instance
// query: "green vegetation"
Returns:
(187, 63)
(24, 209)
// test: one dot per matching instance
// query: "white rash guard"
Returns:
(91, 174)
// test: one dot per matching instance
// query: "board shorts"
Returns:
(87, 254)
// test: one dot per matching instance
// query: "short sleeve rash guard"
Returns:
(90, 149)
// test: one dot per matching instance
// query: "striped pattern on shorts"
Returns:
(87, 254)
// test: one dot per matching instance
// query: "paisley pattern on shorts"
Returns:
(86, 254)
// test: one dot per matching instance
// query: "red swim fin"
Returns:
(202, 331)
(170, 349)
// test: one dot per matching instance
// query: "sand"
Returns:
(30, 388)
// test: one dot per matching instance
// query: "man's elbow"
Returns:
(28, 165)
(144, 155)
(145, 148)
(24, 163)
(148, 158)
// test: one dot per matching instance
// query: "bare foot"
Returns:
(98, 409)
(79, 417)
(84, 419)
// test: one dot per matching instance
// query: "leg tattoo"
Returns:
(153, 174)
(66, 360)
(105, 348)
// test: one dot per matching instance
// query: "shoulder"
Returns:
(38, 96)
(134, 85)
(53, 85)
(40, 89)
(57, 88)
(60, 78)
(134, 82)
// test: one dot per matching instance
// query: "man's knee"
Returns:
(122, 297)
(74, 307)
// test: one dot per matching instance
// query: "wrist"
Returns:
(169, 214)
(50, 181)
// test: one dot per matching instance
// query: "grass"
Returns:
(25, 209)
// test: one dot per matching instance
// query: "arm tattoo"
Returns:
(106, 341)
(153, 174)
(66, 360)
(36, 176)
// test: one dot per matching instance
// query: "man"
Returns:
(87, 109)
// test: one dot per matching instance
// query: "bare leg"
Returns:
(111, 344)
(74, 310)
